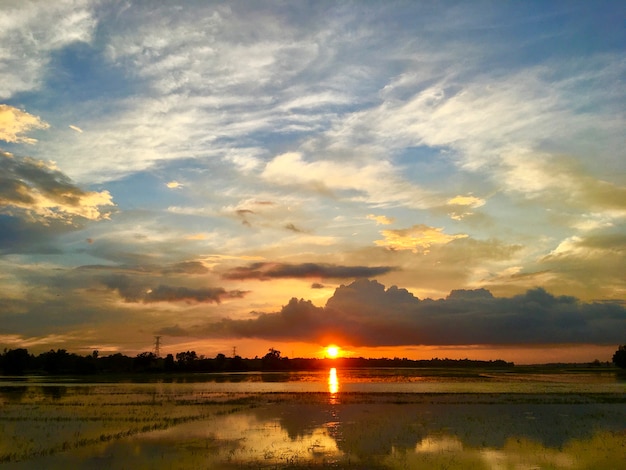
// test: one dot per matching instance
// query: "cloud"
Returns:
(15, 122)
(186, 267)
(26, 236)
(460, 207)
(39, 191)
(174, 185)
(471, 201)
(266, 271)
(364, 313)
(381, 219)
(291, 227)
(418, 238)
(374, 182)
(75, 128)
(132, 290)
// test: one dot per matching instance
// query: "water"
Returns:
(384, 418)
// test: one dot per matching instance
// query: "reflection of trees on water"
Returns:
(54, 392)
(13, 394)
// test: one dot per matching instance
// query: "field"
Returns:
(472, 422)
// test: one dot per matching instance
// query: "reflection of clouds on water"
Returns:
(435, 444)
(385, 436)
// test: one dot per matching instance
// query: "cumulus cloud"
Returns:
(418, 238)
(15, 122)
(39, 191)
(132, 290)
(364, 313)
(266, 271)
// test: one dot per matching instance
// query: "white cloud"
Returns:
(373, 182)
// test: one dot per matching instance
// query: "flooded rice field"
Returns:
(387, 419)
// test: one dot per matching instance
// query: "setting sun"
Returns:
(332, 351)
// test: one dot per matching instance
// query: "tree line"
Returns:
(61, 362)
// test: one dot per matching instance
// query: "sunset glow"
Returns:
(405, 179)
(332, 351)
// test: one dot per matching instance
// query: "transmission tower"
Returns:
(234, 351)
(157, 346)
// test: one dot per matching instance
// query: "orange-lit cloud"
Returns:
(418, 238)
(381, 219)
(174, 185)
(471, 201)
(15, 122)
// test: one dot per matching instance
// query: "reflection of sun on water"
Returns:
(333, 383)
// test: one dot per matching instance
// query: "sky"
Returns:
(401, 179)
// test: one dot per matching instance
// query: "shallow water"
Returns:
(338, 419)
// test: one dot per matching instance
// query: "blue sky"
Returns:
(174, 168)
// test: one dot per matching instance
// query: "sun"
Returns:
(332, 351)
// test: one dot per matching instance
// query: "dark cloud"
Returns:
(364, 313)
(317, 285)
(133, 291)
(266, 271)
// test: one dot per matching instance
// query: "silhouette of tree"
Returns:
(272, 360)
(619, 358)
(145, 361)
(169, 364)
(186, 359)
(15, 361)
